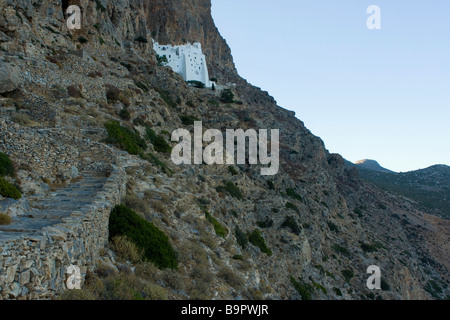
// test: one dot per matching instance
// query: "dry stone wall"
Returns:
(33, 265)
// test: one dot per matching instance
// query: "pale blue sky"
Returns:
(376, 94)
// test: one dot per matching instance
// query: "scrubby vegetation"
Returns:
(150, 157)
(348, 274)
(124, 138)
(220, 230)
(227, 96)
(231, 189)
(303, 289)
(241, 238)
(290, 223)
(159, 143)
(5, 219)
(7, 190)
(257, 240)
(292, 206)
(145, 235)
(188, 120)
(291, 193)
(342, 250)
(6, 165)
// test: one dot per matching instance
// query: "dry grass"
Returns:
(24, 120)
(5, 219)
(158, 206)
(126, 250)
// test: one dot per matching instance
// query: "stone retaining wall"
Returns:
(34, 266)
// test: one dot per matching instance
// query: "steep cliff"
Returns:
(309, 231)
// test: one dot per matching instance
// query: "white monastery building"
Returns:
(187, 60)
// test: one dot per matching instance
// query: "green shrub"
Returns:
(155, 161)
(348, 275)
(145, 235)
(125, 114)
(238, 257)
(220, 230)
(303, 289)
(6, 165)
(290, 222)
(196, 84)
(82, 40)
(358, 212)
(141, 85)
(7, 190)
(227, 96)
(332, 226)
(214, 103)
(318, 286)
(265, 224)
(271, 185)
(165, 95)
(367, 248)
(291, 193)
(188, 120)
(241, 238)
(99, 6)
(124, 138)
(5, 219)
(337, 291)
(231, 189)
(141, 39)
(292, 206)
(161, 60)
(386, 287)
(233, 170)
(159, 143)
(257, 240)
(342, 250)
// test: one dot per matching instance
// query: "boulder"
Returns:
(9, 78)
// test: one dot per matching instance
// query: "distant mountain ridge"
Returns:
(429, 186)
(371, 165)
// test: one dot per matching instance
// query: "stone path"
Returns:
(49, 209)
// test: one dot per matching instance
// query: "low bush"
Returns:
(6, 165)
(233, 170)
(342, 250)
(220, 230)
(227, 96)
(292, 206)
(145, 235)
(5, 219)
(124, 138)
(348, 275)
(196, 84)
(231, 189)
(125, 114)
(303, 289)
(141, 39)
(290, 223)
(7, 190)
(333, 227)
(126, 250)
(188, 120)
(257, 240)
(155, 161)
(159, 143)
(291, 193)
(241, 238)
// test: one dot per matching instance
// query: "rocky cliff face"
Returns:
(321, 225)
